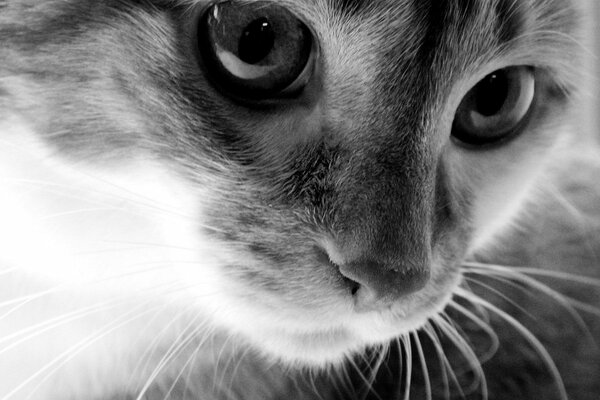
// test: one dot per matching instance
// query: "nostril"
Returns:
(376, 282)
(378, 285)
(324, 258)
(354, 286)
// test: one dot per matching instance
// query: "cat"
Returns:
(207, 199)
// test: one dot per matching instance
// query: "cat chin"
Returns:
(318, 345)
(323, 349)
(316, 350)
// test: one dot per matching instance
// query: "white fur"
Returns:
(75, 240)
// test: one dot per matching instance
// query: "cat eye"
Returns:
(255, 51)
(496, 108)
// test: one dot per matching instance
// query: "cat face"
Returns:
(308, 174)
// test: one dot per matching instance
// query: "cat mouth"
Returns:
(316, 326)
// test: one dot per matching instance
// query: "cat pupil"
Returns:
(257, 41)
(491, 94)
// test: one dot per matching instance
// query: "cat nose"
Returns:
(378, 286)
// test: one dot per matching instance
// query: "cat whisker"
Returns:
(406, 345)
(375, 367)
(372, 364)
(310, 378)
(558, 195)
(137, 197)
(153, 267)
(191, 360)
(401, 362)
(451, 332)
(187, 334)
(350, 388)
(141, 246)
(93, 196)
(501, 295)
(445, 366)
(61, 190)
(583, 223)
(75, 212)
(482, 312)
(424, 368)
(194, 357)
(50, 368)
(235, 370)
(228, 342)
(516, 271)
(498, 272)
(483, 325)
(146, 357)
(527, 335)
(364, 379)
(23, 335)
(567, 303)
(74, 351)
(23, 299)
(19, 302)
(560, 275)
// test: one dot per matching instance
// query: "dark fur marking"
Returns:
(510, 20)
(268, 253)
(435, 14)
(349, 7)
(444, 215)
(309, 181)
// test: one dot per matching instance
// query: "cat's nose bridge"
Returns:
(382, 223)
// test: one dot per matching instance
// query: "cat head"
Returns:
(308, 174)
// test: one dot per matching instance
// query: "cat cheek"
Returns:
(127, 231)
(499, 182)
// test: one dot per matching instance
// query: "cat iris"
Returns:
(255, 52)
(496, 108)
